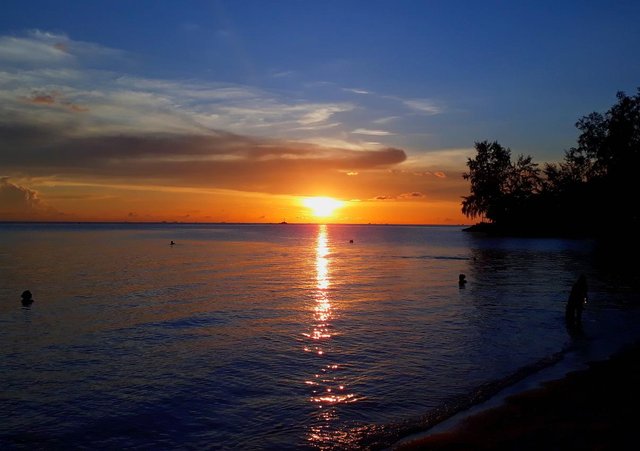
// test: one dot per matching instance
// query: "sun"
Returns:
(322, 206)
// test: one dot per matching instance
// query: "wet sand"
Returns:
(593, 409)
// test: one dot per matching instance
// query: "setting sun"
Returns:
(322, 206)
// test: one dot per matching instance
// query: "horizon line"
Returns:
(232, 223)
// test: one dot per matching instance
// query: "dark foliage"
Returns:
(592, 192)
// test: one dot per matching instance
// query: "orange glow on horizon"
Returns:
(110, 202)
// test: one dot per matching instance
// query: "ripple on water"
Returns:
(258, 337)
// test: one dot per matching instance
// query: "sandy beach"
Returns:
(592, 409)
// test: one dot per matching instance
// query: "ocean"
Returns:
(274, 336)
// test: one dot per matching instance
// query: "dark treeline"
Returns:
(593, 192)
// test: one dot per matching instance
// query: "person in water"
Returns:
(575, 305)
(27, 298)
(462, 280)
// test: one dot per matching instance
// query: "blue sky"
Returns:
(426, 77)
(519, 72)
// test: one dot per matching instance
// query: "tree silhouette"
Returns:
(499, 188)
(487, 174)
(611, 142)
(591, 192)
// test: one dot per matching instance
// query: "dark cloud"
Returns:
(403, 196)
(217, 160)
(413, 195)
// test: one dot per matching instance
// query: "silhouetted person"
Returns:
(462, 280)
(575, 305)
(27, 298)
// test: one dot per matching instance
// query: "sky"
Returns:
(238, 111)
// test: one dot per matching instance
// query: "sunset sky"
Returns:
(238, 111)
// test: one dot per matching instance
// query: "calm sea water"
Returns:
(268, 336)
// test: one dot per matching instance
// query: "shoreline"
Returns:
(586, 408)
(603, 339)
(388, 435)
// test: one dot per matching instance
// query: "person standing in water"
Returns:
(575, 305)
(27, 298)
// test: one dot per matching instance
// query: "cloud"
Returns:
(385, 120)
(41, 68)
(46, 99)
(54, 99)
(423, 106)
(356, 91)
(17, 197)
(404, 196)
(19, 202)
(192, 90)
(441, 159)
(366, 131)
(413, 195)
(343, 144)
(321, 113)
(439, 174)
(126, 105)
(188, 134)
(282, 74)
(32, 50)
(38, 48)
(214, 160)
(317, 127)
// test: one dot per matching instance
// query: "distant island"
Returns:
(592, 193)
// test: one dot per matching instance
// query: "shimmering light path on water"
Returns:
(265, 336)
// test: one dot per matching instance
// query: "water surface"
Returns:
(267, 336)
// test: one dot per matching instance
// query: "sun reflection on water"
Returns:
(328, 386)
(322, 261)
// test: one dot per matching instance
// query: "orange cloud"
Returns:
(44, 99)
(20, 203)
(52, 99)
